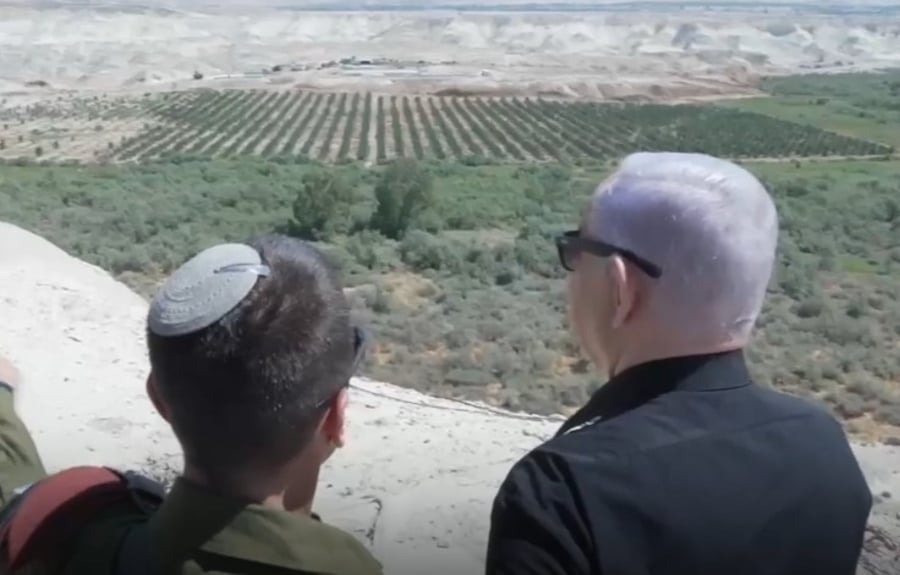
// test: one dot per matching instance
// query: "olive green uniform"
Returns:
(195, 530)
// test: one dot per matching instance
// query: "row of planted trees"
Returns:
(338, 126)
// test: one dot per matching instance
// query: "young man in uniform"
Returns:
(251, 351)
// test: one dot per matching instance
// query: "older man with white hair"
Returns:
(680, 464)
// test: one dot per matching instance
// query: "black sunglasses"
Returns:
(361, 340)
(570, 244)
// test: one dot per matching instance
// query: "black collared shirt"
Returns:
(685, 467)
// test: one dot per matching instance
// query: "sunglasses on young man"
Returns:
(361, 340)
(570, 244)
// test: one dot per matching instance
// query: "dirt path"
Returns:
(393, 125)
(372, 135)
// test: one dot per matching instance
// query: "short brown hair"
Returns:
(247, 392)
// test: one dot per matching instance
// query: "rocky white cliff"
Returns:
(414, 483)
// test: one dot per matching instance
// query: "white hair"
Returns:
(709, 224)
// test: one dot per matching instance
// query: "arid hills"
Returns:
(647, 54)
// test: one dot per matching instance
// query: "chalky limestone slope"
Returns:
(414, 483)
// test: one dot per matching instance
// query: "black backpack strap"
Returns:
(135, 556)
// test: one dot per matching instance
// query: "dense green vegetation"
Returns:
(468, 299)
(450, 257)
(271, 124)
(860, 105)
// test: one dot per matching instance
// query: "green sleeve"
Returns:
(20, 463)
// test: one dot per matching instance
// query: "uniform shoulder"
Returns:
(249, 535)
(354, 557)
(299, 545)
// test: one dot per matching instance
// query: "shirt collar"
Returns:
(642, 383)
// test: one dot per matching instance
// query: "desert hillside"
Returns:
(662, 55)
(414, 483)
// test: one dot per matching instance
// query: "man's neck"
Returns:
(276, 501)
(295, 498)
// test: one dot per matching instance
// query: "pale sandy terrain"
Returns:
(414, 483)
(589, 55)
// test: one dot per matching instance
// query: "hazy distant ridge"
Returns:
(861, 7)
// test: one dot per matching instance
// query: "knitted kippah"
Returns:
(204, 289)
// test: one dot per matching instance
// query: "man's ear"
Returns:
(335, 419)
(156, 398)
(625, 291)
